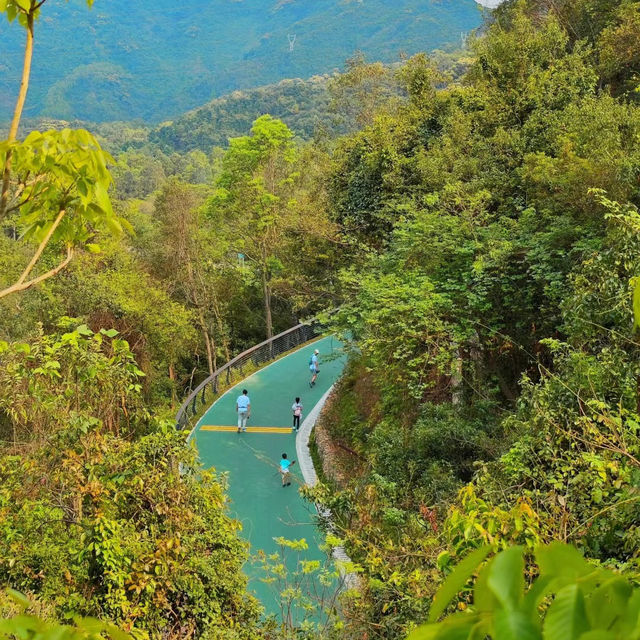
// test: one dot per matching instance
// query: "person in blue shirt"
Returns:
(314, 368)
(243, 408)
(285, 463)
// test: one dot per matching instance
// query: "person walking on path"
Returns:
(285, 463)
(296, 407)
(313, 367)
(243, 408)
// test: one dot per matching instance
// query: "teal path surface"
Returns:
(258, 500)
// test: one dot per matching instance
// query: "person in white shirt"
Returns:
(296, 407)
(243, 407)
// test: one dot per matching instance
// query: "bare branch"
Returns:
(31, 283)
(41, 247)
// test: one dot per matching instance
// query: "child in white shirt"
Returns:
(297, 413)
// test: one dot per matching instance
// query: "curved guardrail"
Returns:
(208, 390)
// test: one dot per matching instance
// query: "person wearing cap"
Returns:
(243, 407)
(313, 367)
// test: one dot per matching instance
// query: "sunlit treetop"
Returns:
(23, 9)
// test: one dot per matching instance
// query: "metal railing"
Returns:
(247, 362)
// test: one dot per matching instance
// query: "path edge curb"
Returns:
(310, 476)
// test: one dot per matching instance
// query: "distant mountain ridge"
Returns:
(127, 60)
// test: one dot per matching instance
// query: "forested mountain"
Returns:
(303, 105)
(308, 107)
(127, 60)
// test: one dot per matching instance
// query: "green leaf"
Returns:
(114, 225)
(459, 626)
(608, 602)
(506, 578)
(110, 333)
(443, 560)
(456, 581)
(102, 198)
(427, 632)
(454, 633)
(22, 347)
(20, 599)
(532, 599)
(567, 617)
(636, 304)
(562, 561)
(631, 617)
(115, 633)
(84, 330)
(483, 597)
(514, 625)
(599, 634)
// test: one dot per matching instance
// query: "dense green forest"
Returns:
(126, 60)
(476, 225)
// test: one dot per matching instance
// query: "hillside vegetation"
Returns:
(303, 105)
(493, 392)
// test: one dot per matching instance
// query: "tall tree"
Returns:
(256, 183)
(188, 258)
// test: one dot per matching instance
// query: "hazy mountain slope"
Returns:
(141, 59)
(303, 105)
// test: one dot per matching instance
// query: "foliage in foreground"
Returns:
(24, 625)
(54, 184)
(103, 510)
(568, 599)
(309, 591)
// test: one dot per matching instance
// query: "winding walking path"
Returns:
(266, 509)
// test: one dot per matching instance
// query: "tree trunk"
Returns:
(207, 342)
(78, 511)
(23, 286)
(224, 339)
(201, 319)
(507, 391)
(457, 387)
(267, 304)
(17, 113)
(172, 377)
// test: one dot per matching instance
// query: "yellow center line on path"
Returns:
(249, 429)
